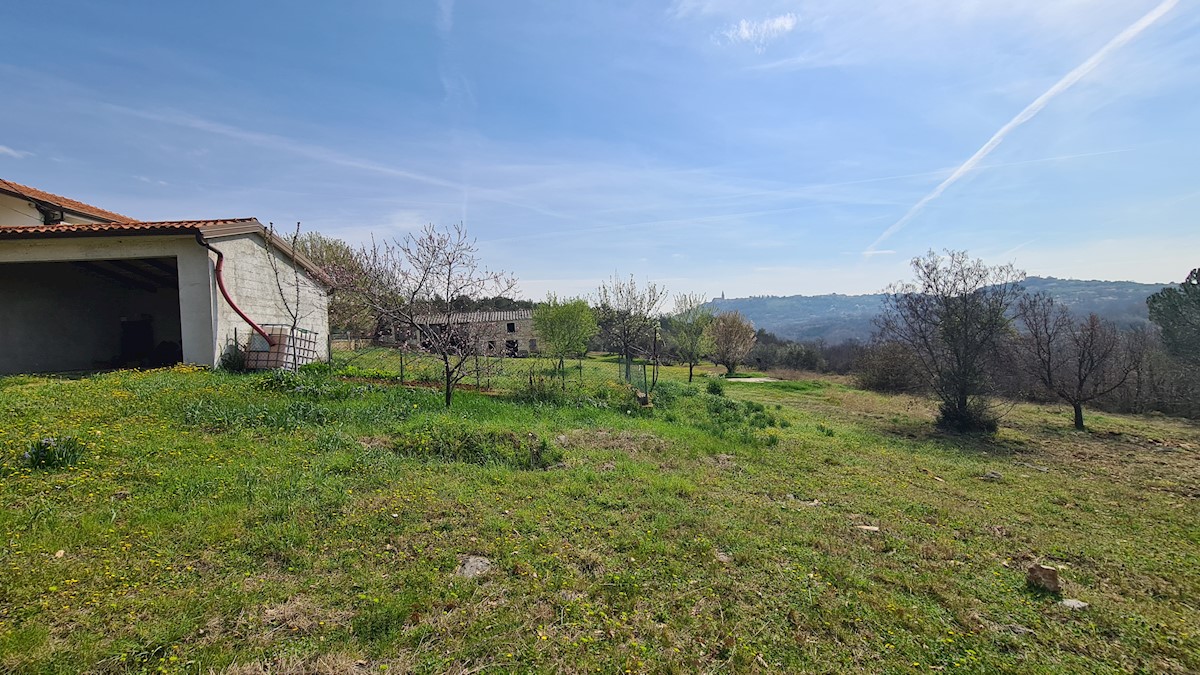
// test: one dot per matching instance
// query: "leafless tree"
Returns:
(732, 337)
(414, 283)
(627, 317)
(953, 318)
(1078, 361)
(288, 283)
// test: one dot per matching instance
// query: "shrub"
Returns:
(53, 453)
(889, 367)
(715, 387)
(668, 392)
(977, 416)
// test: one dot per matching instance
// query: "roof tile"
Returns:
(59, 201)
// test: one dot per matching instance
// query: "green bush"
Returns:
(715, 387)
(53, 453)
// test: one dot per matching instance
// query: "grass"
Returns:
(270, 523)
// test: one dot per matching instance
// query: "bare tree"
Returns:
(732, 337)
(687, 330)
(1077, 361)
(414, 282)
(288, 284)
(626, 316)
(953, 318)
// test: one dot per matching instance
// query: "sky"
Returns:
(749, 147)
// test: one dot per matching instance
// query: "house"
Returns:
(82, 288)
(507, 333)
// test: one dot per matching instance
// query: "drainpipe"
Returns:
(225, 294)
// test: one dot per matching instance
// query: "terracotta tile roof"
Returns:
(210, 229)
(124, 225)
(59, 201)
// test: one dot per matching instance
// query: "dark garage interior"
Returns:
(89, 315)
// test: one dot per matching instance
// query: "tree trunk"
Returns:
(690, 366)
(449, 387)
(628, 368)
(1079, 416)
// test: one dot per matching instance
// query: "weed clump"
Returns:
(456, 441)
(53, 453)
(715, 387)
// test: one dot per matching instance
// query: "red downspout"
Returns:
(225, 294)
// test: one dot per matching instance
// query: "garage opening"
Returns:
(89, 315)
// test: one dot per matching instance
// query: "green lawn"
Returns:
(263, 523)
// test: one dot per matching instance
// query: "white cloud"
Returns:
(15, 154)
(760, 33)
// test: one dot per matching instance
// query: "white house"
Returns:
(82, 288)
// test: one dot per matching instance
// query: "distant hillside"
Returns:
(834, 318)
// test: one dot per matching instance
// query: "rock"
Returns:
(561, 439)
(790, 497)
(1072, 603)
(992, 476)
(723, 557)
(473, 566)
(868, 528)
(1044, 577)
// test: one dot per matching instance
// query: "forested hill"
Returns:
(834, 318)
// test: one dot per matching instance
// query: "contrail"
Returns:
(1028, 113)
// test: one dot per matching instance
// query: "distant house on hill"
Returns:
(502, 333)
(82, 288)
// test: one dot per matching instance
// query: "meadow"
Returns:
(318, 523)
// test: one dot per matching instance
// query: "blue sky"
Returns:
(749, 147)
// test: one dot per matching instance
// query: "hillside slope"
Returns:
(835, 318)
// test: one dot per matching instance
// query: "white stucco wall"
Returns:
(19, 211)
(196, 290)
(251, 282)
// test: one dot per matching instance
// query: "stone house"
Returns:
(83, 288)
(508, 333)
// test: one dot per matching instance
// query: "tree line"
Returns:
(968, 334)
(960, 330)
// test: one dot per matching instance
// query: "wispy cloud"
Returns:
(760, 33)
(1030, 111)
(15, 154)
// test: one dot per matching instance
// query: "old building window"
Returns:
(512, 327)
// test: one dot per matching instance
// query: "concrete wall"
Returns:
(196, 292)
(58, 317)
(252, 284)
